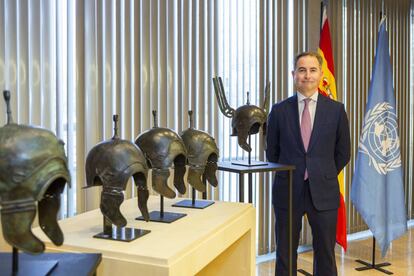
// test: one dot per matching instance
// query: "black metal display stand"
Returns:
(269, 167)
(373, 265)
(57, 264)
(161, 216)
(26, 267)
(124, 234)
(193, 203)
(242, 170)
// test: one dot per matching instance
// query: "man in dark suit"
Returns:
(311, 132)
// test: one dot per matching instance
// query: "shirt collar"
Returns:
(314, 97)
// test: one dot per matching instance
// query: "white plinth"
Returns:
(218, 240)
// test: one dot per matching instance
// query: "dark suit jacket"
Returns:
(327, 155)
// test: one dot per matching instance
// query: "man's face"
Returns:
(307, 75)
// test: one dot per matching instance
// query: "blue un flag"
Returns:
(377, 186)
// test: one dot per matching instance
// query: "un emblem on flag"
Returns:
(379, 138)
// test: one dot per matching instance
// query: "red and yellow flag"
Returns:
(327, 87)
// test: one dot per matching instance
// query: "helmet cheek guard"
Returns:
(194, 178)
(111, 200)
(160, 182)
(179, 172)
(17, 225)
(211, 169)
(242, 140)
(48, 211)
(143, 194)
(139, 172)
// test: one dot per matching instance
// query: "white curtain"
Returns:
(71, 65)
(133, 57)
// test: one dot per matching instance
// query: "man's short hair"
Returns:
(311, 54)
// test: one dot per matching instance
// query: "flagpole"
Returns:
(373, 265)
(320, 21)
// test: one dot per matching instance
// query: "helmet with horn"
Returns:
(247, 119)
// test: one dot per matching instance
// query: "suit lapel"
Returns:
(296, 124)
(318, 121)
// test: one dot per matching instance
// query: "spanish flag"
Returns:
(327, 87)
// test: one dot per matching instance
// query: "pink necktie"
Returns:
(306, 128)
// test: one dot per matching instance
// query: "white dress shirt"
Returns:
(312, 106)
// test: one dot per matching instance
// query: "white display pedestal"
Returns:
(218, 240)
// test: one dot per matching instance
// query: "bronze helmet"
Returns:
(202, 155)
(247, 119)
(110, 164)
(33, 168)
(164, 148)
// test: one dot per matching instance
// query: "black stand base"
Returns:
(124, 234)
(368, 266)
(33, 268)
(248, 164)
(304, 272)
(165, 217)
(197, 204)
(373, 265)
